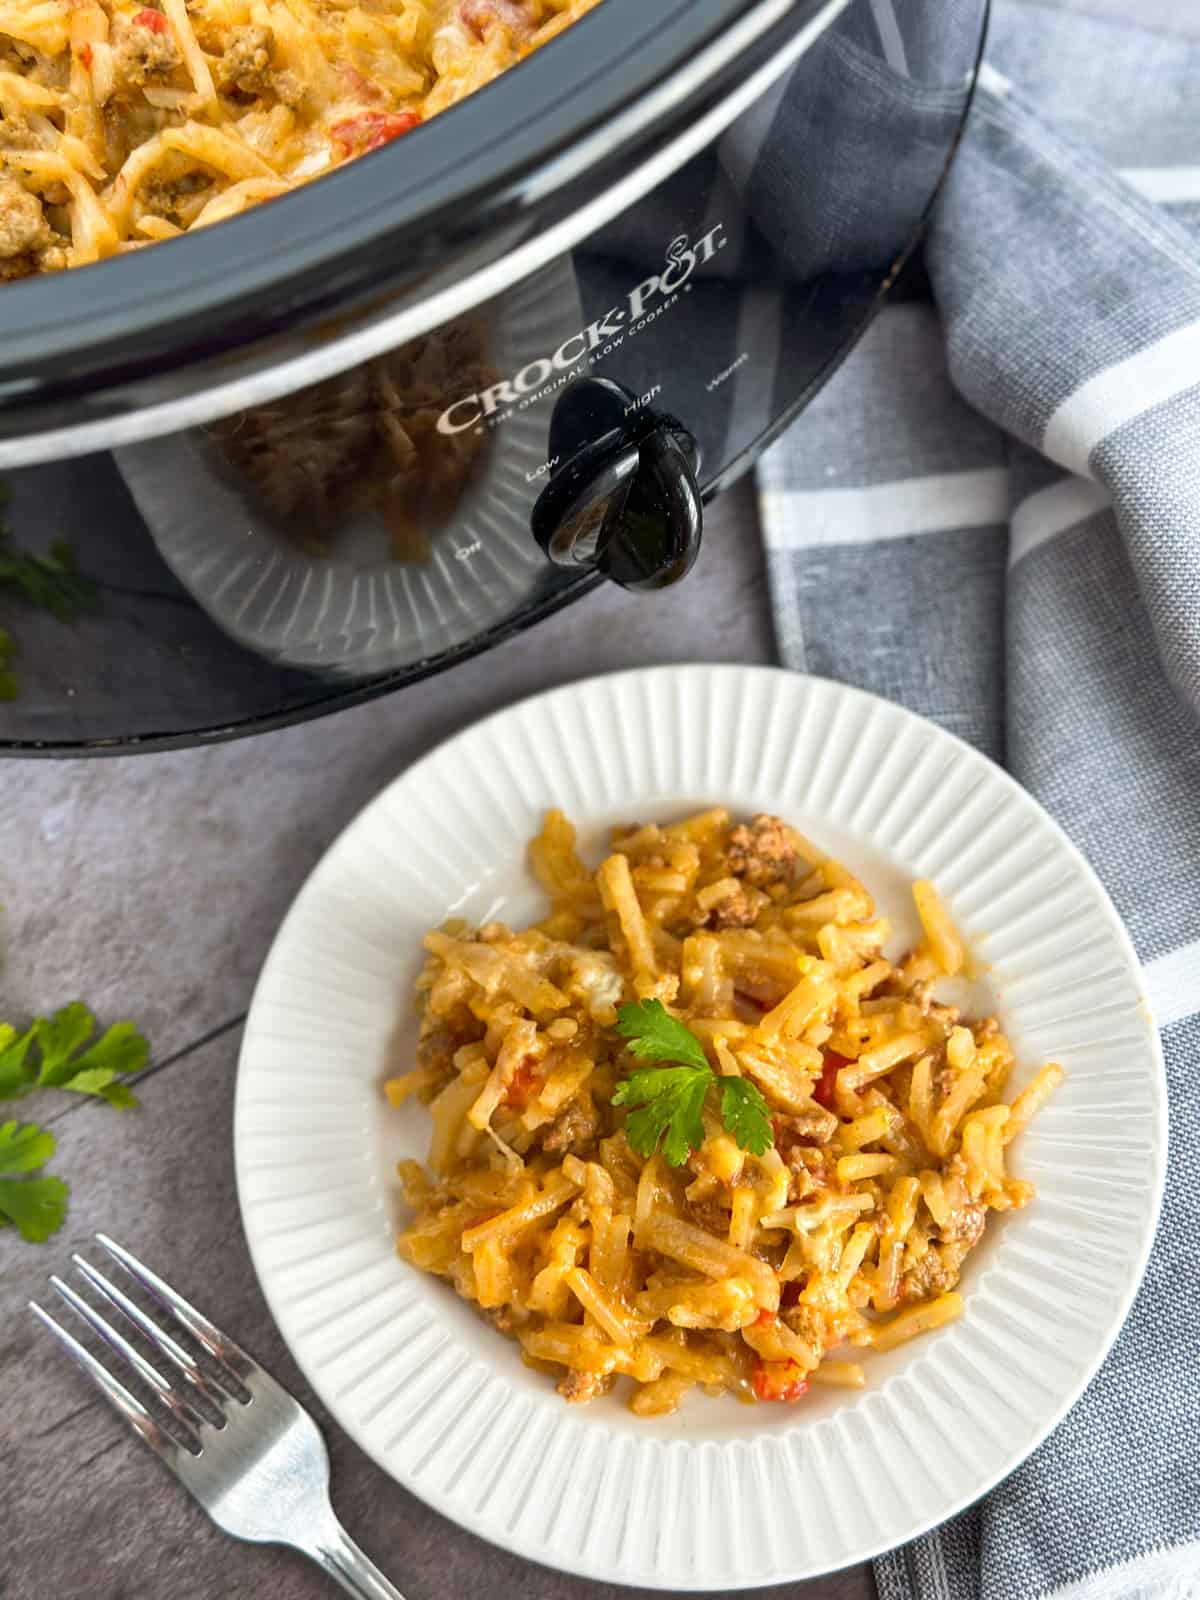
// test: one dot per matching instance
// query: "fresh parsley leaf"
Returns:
(122, 1049)
(669, 1102)
(59, 1037)
(24, 1147)
(35, 1206)
(655, 1035)
(62, 1037)
(16, 1074)
(54, 1053)
(745, 1115)
(103, 1082)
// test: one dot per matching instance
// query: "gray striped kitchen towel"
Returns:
(992, 515)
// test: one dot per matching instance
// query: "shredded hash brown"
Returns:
(122, 124)
(746, 1274)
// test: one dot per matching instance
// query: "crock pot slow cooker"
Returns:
(348, 438)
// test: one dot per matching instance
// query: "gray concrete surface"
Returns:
(152, 887)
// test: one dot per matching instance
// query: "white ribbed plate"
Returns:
(721, 1495)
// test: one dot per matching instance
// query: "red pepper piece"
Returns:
(824, 1090)
(778, 1380)
(521, 1085)
(359, 134)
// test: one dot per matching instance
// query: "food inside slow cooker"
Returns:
(366, 441)
(124, 124)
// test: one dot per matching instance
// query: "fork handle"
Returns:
(341, 1558)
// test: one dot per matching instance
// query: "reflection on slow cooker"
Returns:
(341, 530)
(367, 441)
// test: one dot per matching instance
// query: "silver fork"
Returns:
(253, 1457)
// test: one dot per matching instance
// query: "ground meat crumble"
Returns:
(582, 1386)
(246, 63)
(142, 54)
(762, 852)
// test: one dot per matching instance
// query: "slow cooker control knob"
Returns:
(622, 495)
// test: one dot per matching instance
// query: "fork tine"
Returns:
(117, 1395)
(180, 1358)
(183, 1413)
(218, 1345)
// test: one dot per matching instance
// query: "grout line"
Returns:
(196, 1044)
(79, 1466)
(67, 1416)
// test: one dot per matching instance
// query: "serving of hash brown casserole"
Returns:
(695, 1128)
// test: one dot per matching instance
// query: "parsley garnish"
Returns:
(667, 1102)
(55, 1053)
(15, 1078)
(66, 1064)
(35, 1206)
(655, 1035)
(744, 1113)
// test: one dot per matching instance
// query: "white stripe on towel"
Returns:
(1121, 392)
(1162, 1575)
(1165, 185)
(1053, 510)
(1173, 991)
(793, 519)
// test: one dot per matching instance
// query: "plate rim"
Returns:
(870, 1550)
